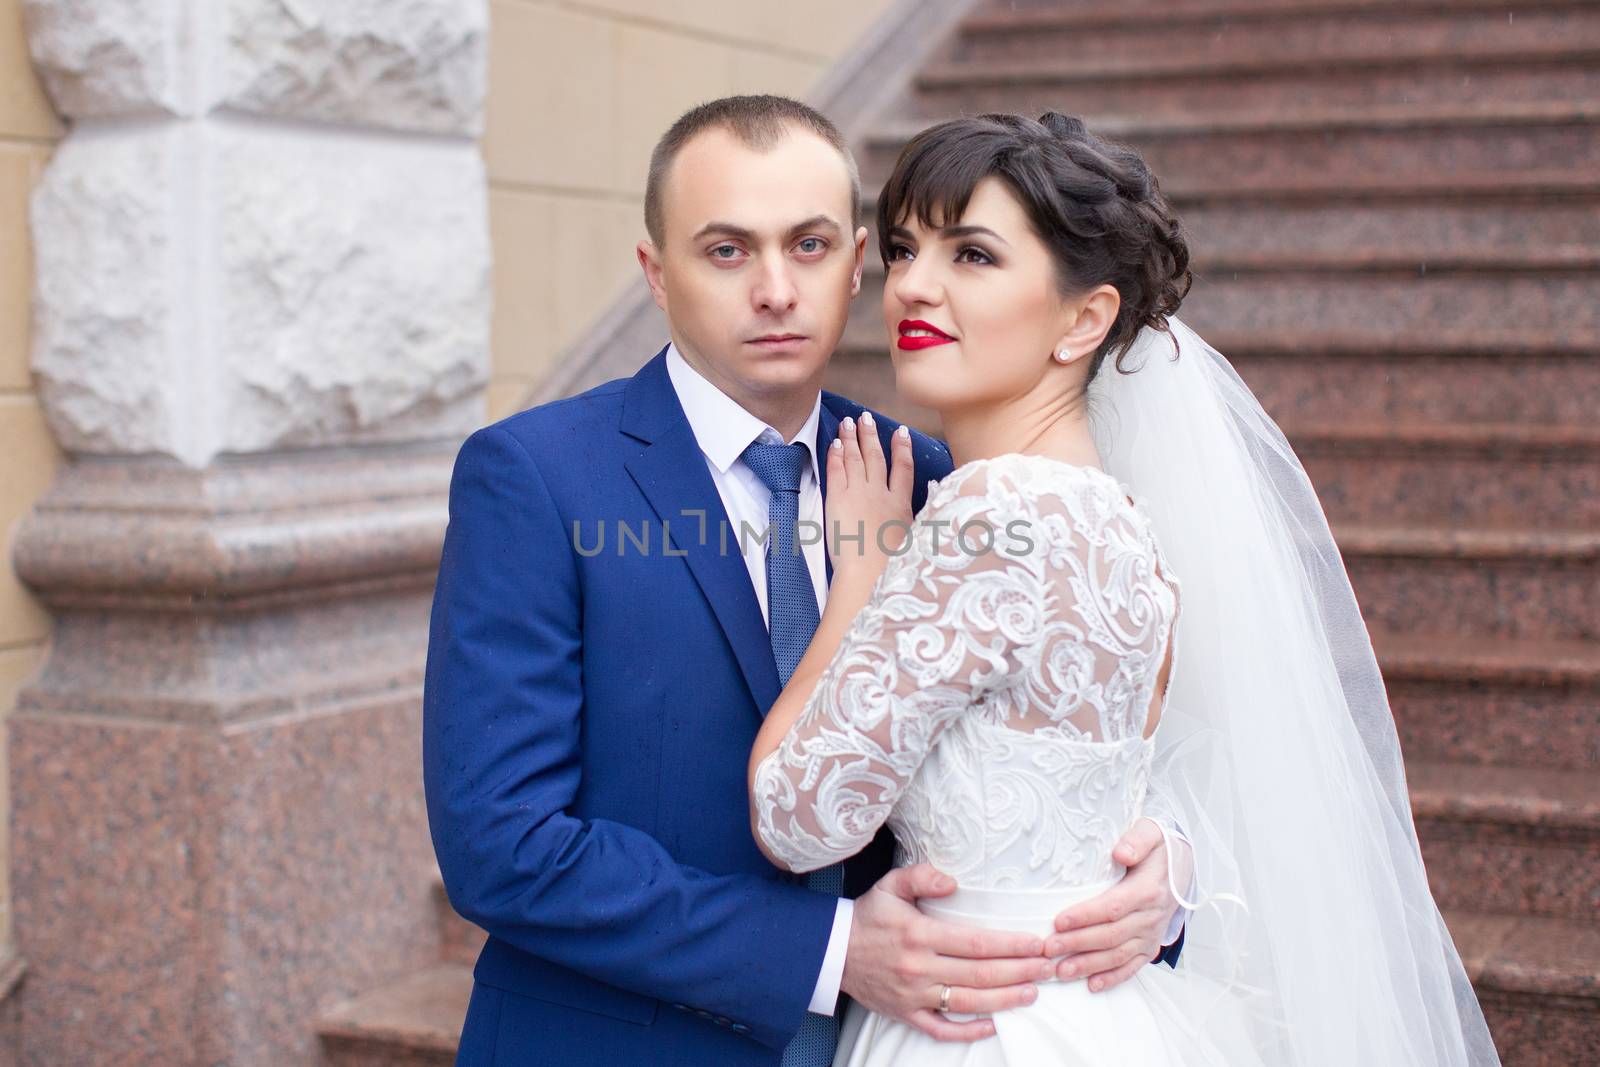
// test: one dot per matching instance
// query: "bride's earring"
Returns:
(1064, 356)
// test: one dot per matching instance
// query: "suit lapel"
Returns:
(827, 430)
(672, 475)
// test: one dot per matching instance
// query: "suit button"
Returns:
(740, 1028)
(723, 1020)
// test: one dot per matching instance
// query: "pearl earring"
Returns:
(1064, 356)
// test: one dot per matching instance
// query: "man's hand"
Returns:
(899, 959)
(1108, 938)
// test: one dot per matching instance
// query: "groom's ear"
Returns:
(861, 260)
(650, 261)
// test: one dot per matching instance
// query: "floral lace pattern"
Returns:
(989, 703)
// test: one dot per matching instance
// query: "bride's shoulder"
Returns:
(1022, 481)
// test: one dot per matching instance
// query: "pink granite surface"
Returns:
(219, 827)
(193, 895)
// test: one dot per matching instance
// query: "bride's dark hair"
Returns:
(1093, 202)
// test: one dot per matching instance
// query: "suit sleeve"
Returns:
(502, 713)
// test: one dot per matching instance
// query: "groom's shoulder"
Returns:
(569, 422)
(930, 454)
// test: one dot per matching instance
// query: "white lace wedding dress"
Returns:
(991, 706)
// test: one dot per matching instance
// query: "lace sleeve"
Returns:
(940, 631)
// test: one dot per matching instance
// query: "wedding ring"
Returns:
(944, 999)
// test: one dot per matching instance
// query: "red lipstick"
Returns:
(915, 334)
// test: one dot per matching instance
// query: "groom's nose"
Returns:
(774, 286)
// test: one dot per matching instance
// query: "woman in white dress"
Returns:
(1123, 603)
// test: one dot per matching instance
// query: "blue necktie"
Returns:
(792, 620)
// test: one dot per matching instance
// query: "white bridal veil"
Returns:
(1278, 748)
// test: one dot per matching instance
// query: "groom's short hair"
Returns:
(759, 122)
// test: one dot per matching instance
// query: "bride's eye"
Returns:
(898, 252)
(982, 257)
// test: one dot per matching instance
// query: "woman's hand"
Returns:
(868, 509)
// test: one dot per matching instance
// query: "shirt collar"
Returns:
(721, 426)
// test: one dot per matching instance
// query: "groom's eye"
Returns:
(725, 251)
(811, 246)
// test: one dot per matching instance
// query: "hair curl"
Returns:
(1092, 201)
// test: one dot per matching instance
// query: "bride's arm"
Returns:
(894, 662)
(867, 490)
(847, 595)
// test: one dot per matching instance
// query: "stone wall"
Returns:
(29, 131)
(245, 319)
(568, 140)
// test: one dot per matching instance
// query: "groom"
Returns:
(602, 651)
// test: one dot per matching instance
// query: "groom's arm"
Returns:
(501, 722)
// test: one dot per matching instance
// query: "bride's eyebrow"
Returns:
(951, 233)
(973, 231)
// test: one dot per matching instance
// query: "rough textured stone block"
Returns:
(232, 287)
(412, 64)
(400, 64)
(108, 58)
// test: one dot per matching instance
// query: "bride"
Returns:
(1123, 603)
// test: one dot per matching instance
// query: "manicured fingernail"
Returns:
(1047, 971)
(1030, 994)
(1069, 969)
(866, 418)
(837, 444)
(903, 431)
(1096, 985)
(848, 423)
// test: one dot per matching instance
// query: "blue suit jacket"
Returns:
(588, 715)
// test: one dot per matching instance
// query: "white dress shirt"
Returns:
(723, 429)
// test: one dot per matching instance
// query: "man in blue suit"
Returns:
(600, 660)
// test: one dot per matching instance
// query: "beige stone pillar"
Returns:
(260, 329)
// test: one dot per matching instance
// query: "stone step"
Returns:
(1500, 191)
(1130, 36)
(1084, 83)
(1425, 237)
(459, 940)
(1522, 582)
(1494, 700)
(1505, 310)
(1430, 373)
(1463, 473)
(1374, 308)
(1548, 377)
(1096, 12)
(1418, 147)
(412, 1022)
(1515, 840)
(1345, 237)
(1538, 982)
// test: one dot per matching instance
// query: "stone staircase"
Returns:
(1395, 210)
(1395, 214)
(414, 1021)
